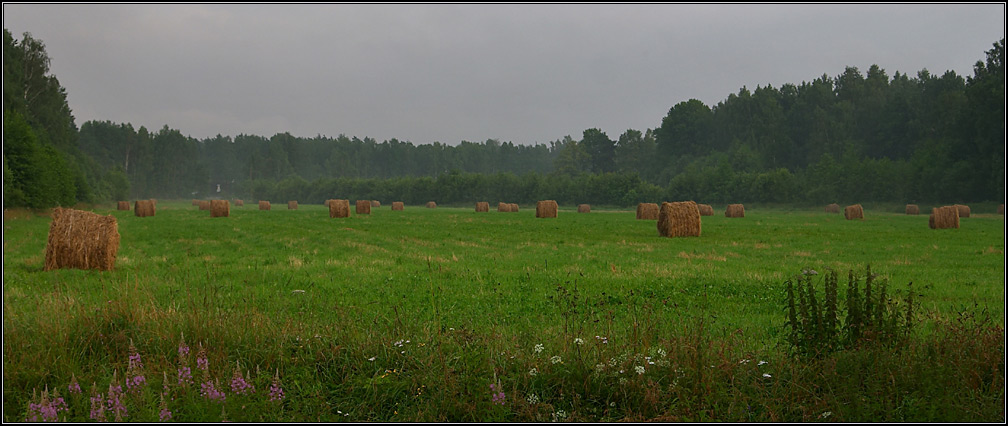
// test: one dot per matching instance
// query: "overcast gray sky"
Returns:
(447, 73)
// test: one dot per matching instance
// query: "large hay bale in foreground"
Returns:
(945, 217)
(964, 211)
(833, 208)
(397, 205)
(735, 210)
(431, 205)
(122, 205)
(143, 208)
(705, 209)
(292, 205)
(239, 203)
(220, 208)
(204, 205)
(679, 219)
(584, 208)
(482, 207)
(912, 209)
(546, 209)
(363, 206)
(264, 205)
(375, 203)
(81, 240)
(853, 212)
(648, 211)
(338, 208)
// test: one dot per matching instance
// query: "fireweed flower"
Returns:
(238, 383)
(496, 397)
(164, 414)
(97, 404)
(201, 359)
(276, 392)
(115, 398)
(74, 387)
(209, 391)
(184, 375)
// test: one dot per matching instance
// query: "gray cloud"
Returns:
(424, 73)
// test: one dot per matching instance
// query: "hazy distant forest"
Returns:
(855, 137)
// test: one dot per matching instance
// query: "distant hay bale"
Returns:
(503, 207)
(705, 209)
(912, 209)
(853, 212)
(81, 240)
(204, 205)
(397, 205)
(648, 211)
(375, 204)
(482, 207)
(584, 208)
(338, 208)
(679, 219)
(292, 205)
(220, 208)
(195, 202)
(143, 208)
(945, 217)
(122, 205)
(363, 207)
(833, 208)
(964, 211)
(546, 209)
(513, 207)
(735, 210)
(239, 203)
(431, 205)
(264, 205)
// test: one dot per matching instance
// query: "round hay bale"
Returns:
(195, 202)
(945, 217)
(431, 205)
(503, 207)
(853, 212)
(239, 203)
(397, 205)
(81, 240)
(679, 219)
(338, 208)
(482, 207)
(546, 209)
(363, 206)
(292, 205)
(584, 208)
(931, 220)
(204, 205)
(735, 210)
(513, 207)
(705, 209)
(220, 208)
(122, 205)
(833, 208)
(143, 208)
(912, 209)
(964, 211)
(264, 205)
(647, 211)
(375, 204)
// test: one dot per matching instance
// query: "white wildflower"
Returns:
(538, 348)
(556, 359)
(639, 369)
(578, 341)
(533, 372)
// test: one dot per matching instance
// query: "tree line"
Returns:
(850, 138)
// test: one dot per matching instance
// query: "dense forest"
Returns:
(856, 137)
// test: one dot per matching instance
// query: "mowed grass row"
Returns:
(275, 277)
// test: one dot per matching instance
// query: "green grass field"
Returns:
(327, 305)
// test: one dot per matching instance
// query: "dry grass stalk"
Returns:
(853, 212)
(431, 205)
(264, 205)
(81, 240)
(292, 205)
(945, 217)
(584, 208)
(912, 209)
(363, 207)
(482, 207)
(735, 210)
(220, 208)
(964, 211)
(397, 205)
(546, 209)
(647, 211)
(833, 208)
(679, 219)
(143, 208)
(122, 205)
(338, 208)
(705, 209)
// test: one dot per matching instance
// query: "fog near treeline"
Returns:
(858, 136)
